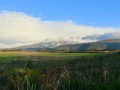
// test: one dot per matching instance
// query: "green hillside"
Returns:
(112, 44)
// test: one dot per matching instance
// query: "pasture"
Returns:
(52, 54)
(59, 71)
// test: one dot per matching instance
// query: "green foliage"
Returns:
(101, 72)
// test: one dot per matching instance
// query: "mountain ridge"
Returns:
(47, 44)
(66, 45)
(109, 44)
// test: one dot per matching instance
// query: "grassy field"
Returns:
(59, 71)
(30, 55)
(55, 54)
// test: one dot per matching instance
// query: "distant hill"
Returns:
(110, 44)
(48, 44)
(66, 45)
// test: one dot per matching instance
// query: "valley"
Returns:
(61, 65)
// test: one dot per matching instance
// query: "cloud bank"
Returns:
(18, 28)
(113, 35)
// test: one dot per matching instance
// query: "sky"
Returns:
(25, 22)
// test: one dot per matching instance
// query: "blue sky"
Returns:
(100, 13)
(24, 22)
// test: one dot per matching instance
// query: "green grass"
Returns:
(70, 54)
(56, 54)
(86, 71)
(9, 56)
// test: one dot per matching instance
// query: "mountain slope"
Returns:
(48, 44)
(110, 44)
(66, 45)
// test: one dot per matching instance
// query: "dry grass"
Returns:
(55, 54)
(18, 53)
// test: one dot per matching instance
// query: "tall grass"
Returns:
(79, 73)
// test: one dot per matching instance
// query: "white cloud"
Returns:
(18, 28)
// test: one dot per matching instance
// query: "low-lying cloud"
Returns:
(18, 28)
(114, 35)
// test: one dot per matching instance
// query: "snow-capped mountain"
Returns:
(70, 44)
(47, 44)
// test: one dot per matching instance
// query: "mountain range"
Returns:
(66, 45)
(47, 44)
(110, 44)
